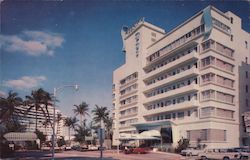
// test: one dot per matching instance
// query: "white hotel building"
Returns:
(29, 120)
(191, 82)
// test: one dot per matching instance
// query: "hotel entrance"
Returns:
(155, 134)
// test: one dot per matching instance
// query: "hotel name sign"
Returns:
(131, 29)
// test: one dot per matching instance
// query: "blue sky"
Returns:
(52, 43)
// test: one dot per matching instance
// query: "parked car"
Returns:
(67, 148)
(76, 147)
(225, 156)
(91, 147)
(191, 152)
(140, 150)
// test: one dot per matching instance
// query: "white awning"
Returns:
(19, 136)
(146, 135)
(151, 133)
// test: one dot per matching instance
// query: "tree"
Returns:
(61, 141)
(81, 132)
(70, 123)
(100, 113)
(82, 110)
(182, 144)
(8, 106)
(108, 125)
(39, 100)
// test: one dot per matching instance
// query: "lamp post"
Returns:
(54, 114)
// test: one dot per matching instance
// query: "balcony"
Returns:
(187, 44)
(129, 104)
(183, 75)
(173, 107)
(187, 58)
(128, 83)
(173, 93)
(124, 96)
(211, 45)
(128, 115)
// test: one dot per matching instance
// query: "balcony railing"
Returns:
(173, 107)
(183, 75)
(173, 93)
(191, 56)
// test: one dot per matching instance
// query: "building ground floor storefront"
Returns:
(210, 134)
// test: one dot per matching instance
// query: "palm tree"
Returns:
(108, 125)
(82, 110)
(39, 100)
(100, 113)
(81, 132)
(8, 106)
(70, 123)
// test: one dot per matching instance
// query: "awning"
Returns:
(153, 125)
(151, 133)
(19, 136)
(146, 135)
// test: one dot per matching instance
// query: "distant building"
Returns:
(29, 120)
(191, 82)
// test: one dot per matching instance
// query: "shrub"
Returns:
(182, 144)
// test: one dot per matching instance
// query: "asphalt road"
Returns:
(95, 155)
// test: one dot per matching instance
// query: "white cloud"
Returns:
(32, 42)
(25, 82)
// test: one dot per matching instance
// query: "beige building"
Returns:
(192, 82)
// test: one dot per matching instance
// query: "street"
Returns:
(94, 155)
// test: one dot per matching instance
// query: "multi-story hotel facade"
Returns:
(191, 82)
(28, 119)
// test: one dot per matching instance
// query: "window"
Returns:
(225, 135)
(232, 38)
(246, 74)
(153, 34)
(189, 113)
(231, 20)
(246, 88)
(173, 115)
(180, 115)
(246, 44)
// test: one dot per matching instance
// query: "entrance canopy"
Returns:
(146, 135)
(19, 136)
(153, 125)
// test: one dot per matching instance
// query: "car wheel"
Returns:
(226, 158)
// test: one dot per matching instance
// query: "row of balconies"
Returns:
(185, 74)
(189, 57)
(173, 93)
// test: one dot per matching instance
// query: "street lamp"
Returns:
(54, 114)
